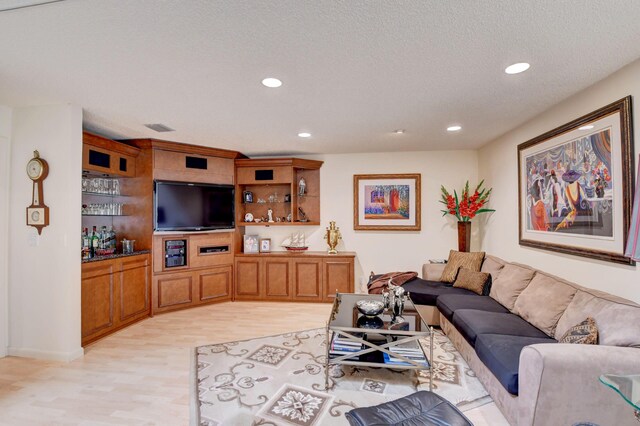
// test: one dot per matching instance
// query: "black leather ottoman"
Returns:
(418, 409)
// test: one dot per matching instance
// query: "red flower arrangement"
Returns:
(469, 206)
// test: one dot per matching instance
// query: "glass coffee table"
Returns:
(368, 341)
(627, 386)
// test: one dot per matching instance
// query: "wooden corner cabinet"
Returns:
(114, 293)
(275, 183)
(203, 273)
(189, 268)
(297, 277)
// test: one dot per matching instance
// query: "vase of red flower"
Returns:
(465, 208)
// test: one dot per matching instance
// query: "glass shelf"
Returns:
(267, 202)
(104, 215)
(99, 194)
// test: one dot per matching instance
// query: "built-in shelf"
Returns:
(104, 215)
(278, 223)
(99, 194)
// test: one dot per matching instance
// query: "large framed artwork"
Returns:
(576, 185)
(386, 202)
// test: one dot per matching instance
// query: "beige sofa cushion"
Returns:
(544, 301)
(513, 279)
(617, 319)
(458, 260)
(492, 265)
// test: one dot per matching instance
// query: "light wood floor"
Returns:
(140, 375)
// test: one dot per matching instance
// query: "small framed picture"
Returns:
(247, 196)
(265, 245)
(251, 243)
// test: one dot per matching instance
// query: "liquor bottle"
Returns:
(86, 252)
(94, 242)
(103, 237)
(112, 238)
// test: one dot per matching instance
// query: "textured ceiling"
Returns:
(353, 71)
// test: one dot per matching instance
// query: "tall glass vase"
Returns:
(464, 236)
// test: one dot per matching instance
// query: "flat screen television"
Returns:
(181, 206)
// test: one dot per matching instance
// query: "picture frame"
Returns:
(251, 243)
(265, 245)
(575, 186)
(387, 202)
(247, 197)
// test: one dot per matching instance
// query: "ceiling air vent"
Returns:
(159, 127)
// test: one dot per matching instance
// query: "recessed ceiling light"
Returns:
(304, 135)
(453, 128)
(399, 131)
(587, 127)
(517, 68)
(272, 82)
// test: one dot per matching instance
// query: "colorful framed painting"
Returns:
(575, 186)
(386, 202)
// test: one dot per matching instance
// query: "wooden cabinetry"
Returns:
(117, 162)
(108, 157)
(114, 293)
(206, 276)
(275, 181)
(299, 277)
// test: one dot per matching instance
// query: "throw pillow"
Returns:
(585, 333)
(470, 280)
(457, 260)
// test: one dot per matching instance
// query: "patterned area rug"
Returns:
(279, 380)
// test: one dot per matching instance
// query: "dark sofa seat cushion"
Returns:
(471, 323)
(425, 292)
(501, 354)
(449, 303)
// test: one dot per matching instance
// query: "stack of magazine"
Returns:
(342, 346)
(413, 353)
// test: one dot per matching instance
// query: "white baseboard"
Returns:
(46, 355)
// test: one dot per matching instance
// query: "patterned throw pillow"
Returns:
(470, 280)
(586, 333)
(457, 260)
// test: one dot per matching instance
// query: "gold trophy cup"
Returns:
(333, 236)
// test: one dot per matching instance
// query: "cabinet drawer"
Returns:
(178, 166)
(264, 175)
(98, 268)
(203, 248)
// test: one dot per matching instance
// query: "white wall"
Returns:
(498, 164)
(44, 271)
(386, 251)
(5, 137)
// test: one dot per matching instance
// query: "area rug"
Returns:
(279, 380)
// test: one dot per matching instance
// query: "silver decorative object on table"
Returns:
(394, 302)
(370, 307)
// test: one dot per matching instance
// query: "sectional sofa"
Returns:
(509, 337)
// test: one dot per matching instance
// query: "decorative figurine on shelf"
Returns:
(270, 214)
(303, 215)
(333, 236)
(302, 187)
